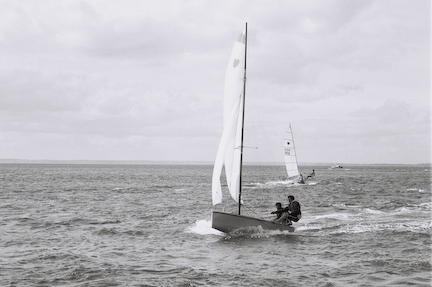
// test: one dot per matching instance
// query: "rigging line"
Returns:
(250, 209)
(251, 147)
(260, 126)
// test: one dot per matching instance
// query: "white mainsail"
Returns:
(229, 153)
(290, 154)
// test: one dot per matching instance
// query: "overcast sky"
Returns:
(144, 80)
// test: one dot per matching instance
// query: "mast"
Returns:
(243, 116)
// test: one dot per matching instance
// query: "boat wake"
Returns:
(256, 232)
(270, 184)
(354, 220)
(203, 227)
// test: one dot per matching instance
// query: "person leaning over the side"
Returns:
(279, 210)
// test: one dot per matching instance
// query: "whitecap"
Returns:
(203, 227)
(411, 226)
(373, 211)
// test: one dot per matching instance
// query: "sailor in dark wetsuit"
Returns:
(292, 212)
(279, 210)
(311, 175)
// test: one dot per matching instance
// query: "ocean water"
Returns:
(149, 225)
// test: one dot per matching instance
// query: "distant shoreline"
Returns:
(149, 162)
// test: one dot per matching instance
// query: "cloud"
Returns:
(144, 79)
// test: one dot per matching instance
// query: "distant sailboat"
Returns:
(290, 155)
(230, 151)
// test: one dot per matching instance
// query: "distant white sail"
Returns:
(228, 153)
(290, 154)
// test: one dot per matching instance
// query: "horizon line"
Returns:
(179, 162)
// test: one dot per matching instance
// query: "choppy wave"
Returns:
(82, 225)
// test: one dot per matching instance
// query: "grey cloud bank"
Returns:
(143, 80)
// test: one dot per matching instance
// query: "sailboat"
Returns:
(290, 155)
(291, 164)
(230, 150)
